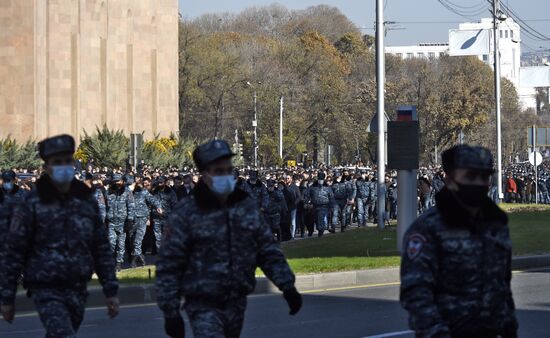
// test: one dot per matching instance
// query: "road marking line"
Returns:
(95, 308)
(391, 334)
(131, 306)
(366, 286)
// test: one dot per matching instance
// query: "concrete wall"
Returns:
(70, 65)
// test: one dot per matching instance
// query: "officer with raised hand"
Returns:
(456, 264)
(210, 250)
(57, 240)
(167, 199)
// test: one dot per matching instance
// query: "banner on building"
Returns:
(530, 77)
(469, 42)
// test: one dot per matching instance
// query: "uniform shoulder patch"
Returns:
(414, 245)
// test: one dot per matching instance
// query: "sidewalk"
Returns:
(140, 294)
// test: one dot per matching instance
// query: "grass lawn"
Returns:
(370, 248)
(530, 232)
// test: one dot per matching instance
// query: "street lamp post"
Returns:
(255, 123)
(380, 78)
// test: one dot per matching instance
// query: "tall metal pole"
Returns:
(536, 169)
(255, 125)
(380, 78)
(496, 15)
(406, 203)
(281, 130)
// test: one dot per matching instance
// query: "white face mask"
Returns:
(223, 185)
(62, 174)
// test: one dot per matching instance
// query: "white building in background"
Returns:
(510, 53)
(423, 50)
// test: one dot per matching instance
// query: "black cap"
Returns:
(8, 175)
(321, 176)
(57, 145)
(209, 152)
(467, 157)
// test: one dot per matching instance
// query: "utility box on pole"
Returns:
(136, 143)
(403, 155)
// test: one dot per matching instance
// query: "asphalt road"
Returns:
(353, 312)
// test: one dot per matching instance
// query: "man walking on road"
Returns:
(210, 250)
(57, 240)
(456, 264)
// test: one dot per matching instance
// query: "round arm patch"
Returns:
(414, 245)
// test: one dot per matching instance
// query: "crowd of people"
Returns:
(295, 202)
(214, 236)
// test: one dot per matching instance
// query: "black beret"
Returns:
(467, 157)
(209, 152)
(8, 175)
(61, 144)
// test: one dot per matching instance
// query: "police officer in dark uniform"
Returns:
(276, 208)
(10, 189)
(210, 250)
(456, 264)
(7, 204)
(57, 240)
(98, 195)
(167, 199)
(120, 211)
(321, 196)
(257, 189)
(145, 204)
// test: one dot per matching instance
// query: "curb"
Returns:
(142, 294)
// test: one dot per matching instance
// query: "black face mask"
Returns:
(471, 195)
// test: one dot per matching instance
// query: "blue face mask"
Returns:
(223, 185)
(8, 186)
(62, 174)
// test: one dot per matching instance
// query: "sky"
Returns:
(418, 21)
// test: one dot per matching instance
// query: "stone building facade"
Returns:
(67, 66)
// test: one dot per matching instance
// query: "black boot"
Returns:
(133, 262)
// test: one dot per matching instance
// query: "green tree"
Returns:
(108, 148)
(14, 155)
